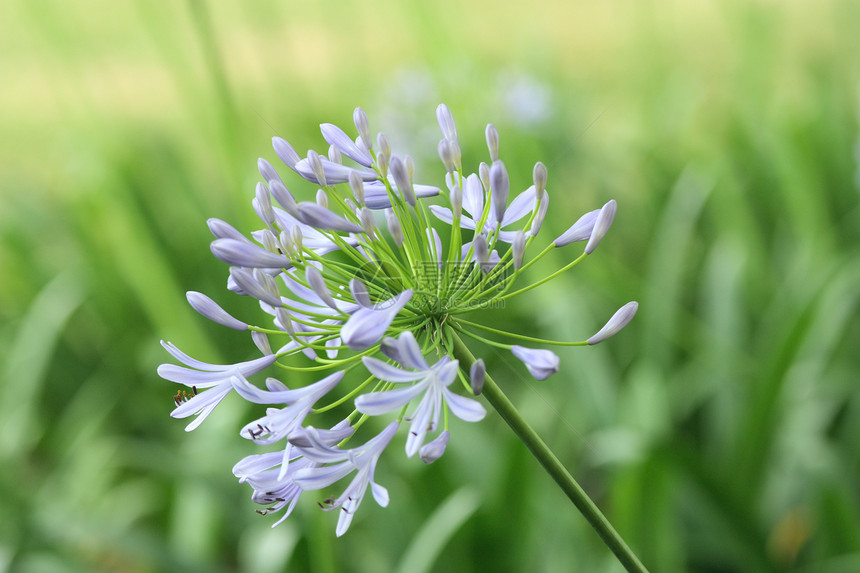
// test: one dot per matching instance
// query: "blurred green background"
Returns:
(719, 431)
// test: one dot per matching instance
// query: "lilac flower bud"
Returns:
(297, 237)
(492, 135)
(457, 201)
(477, 373)
(359, 293)
(363, 127)
(286, 243)
(248, 283)
(482, 255)
(499, 185)
(322, 199)
(334, 155)
(446, 122)
(267, 171)
(210, 309)
(367, 222)
(618, 321)
(261, 341)
(394, 227)
(539, 175)
(401, 178)
(323, 219)
(484, 174)
(455, 153)
(579, 231)
(539, 216)
(518, 248)
(410, 166)
(285, 152)
(244, 254)
(224, 230)
(383, 144)
(357, 186)
(284, 321)
(283, 196)
(540, 363)
(317, 284)
(446, 154)
(316, 166)
(382, 160)
(267, 281)
(336, 137)
(431, 452)
(601, 225)
(264, 204)
(351, 204)
(269, 240)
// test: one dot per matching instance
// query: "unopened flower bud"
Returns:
(363, 127)
(296, 235)
(410, 166)
(382, 163)
(394, 227)
(601, 225)
(284, 320)
(492, 135)
(499, 186)
(477, 373)
(322, 198)
(383, 144)
(357, 186)
(317, 284)
(334, 155)
(457, 201)
(482, 255)
(618, 321)
(367, 222)
(539, 216)
(211, 310)
(264, 204)
(431, 452)
(401, 178)
(446, 154)
(446, 122)
(316, 166)
(484, 174)
(539, 175)
(518, 248)
(262, 342)
(286, 243)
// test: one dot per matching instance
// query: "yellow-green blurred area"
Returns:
(718, 431)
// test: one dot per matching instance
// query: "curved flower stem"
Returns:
(552, 465)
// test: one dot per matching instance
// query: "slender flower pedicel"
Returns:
(366, 315)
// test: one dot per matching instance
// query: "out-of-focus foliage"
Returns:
(718, 431)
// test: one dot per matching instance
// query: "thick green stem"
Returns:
(552, 465)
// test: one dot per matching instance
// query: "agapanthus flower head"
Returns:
(373, 307)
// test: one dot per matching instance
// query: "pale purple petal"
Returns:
(378, 403)
(389, 372)
(344, 143)
(541, 363)
(601, 225)
(366, 326)
(464, 408)
(579, 231)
